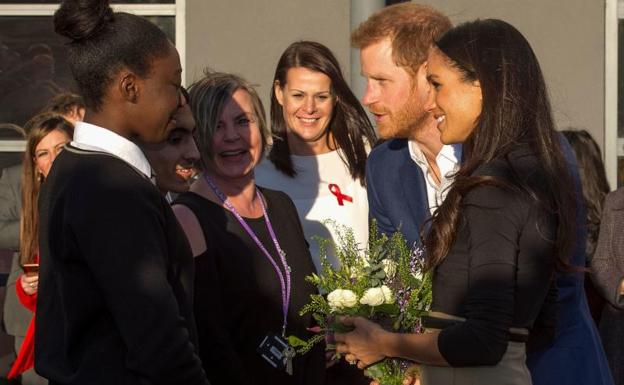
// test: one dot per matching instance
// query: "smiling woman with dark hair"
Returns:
(322, 137)
(507, 221)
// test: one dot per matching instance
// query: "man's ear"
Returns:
(129, 86)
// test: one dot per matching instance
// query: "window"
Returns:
(33, 63)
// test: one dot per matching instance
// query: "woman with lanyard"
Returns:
(251, 255)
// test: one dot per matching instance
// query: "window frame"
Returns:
(614, 11)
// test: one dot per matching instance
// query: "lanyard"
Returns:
(284, 283)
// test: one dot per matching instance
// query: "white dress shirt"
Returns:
(90, 137)
(448, 164)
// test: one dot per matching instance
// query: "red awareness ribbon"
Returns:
(339, 195)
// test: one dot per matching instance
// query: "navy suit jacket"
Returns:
(576, 355)
(397, 191)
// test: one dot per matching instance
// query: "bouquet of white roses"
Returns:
(384, 283)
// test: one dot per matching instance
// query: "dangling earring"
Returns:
(40, 177)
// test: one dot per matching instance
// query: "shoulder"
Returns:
(615, 200)
(266, 174)
(191, 226)
(13, 173)
(392, 148)
(516, 183)
(503, 188)
(279, 202)
(390, 153)
(98, 182)
(276, 197)
(99, 171)
(490, 196)
(265, 169)
(499, 168)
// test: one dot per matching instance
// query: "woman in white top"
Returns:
(322, 137)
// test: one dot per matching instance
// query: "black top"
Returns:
(116, 276)
(500, 268)
(238, 296)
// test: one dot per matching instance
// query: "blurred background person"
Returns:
(595, 187)
(47, 134)
(251, 257)
(10, 195)
(574, 330)
(10, 190)
(30, 85)
(173, 161)
(322, 138)
(68, 104)
(71, 107)
(608, 276)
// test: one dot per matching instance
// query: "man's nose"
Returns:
(370, 95)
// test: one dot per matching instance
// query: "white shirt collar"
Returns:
(447, 162)
(90, 137)
(449, 151)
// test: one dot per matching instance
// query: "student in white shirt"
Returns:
(116, 272)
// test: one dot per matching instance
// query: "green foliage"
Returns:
(387, 261)
(387, 372)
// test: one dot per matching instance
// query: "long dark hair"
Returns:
(38, 128)
(349, 125)
(102, 42)
(593, 181)
(515, 111)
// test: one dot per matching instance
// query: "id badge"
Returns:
(275, 350)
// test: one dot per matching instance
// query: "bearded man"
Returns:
(408, 175)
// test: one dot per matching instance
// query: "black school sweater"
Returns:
(116, 279)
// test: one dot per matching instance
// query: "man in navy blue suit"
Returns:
(407, 176)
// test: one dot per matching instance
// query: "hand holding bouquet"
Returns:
(384, 284)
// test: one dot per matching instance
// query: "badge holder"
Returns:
(277, 352)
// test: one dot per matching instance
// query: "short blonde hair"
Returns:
(207, 98)
(412, 28)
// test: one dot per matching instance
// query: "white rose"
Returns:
(388, 296)
(340, 298)
(377, 296)
(389, 267)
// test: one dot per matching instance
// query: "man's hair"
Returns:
(412, 28)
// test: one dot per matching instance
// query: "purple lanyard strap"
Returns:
(284, 283)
